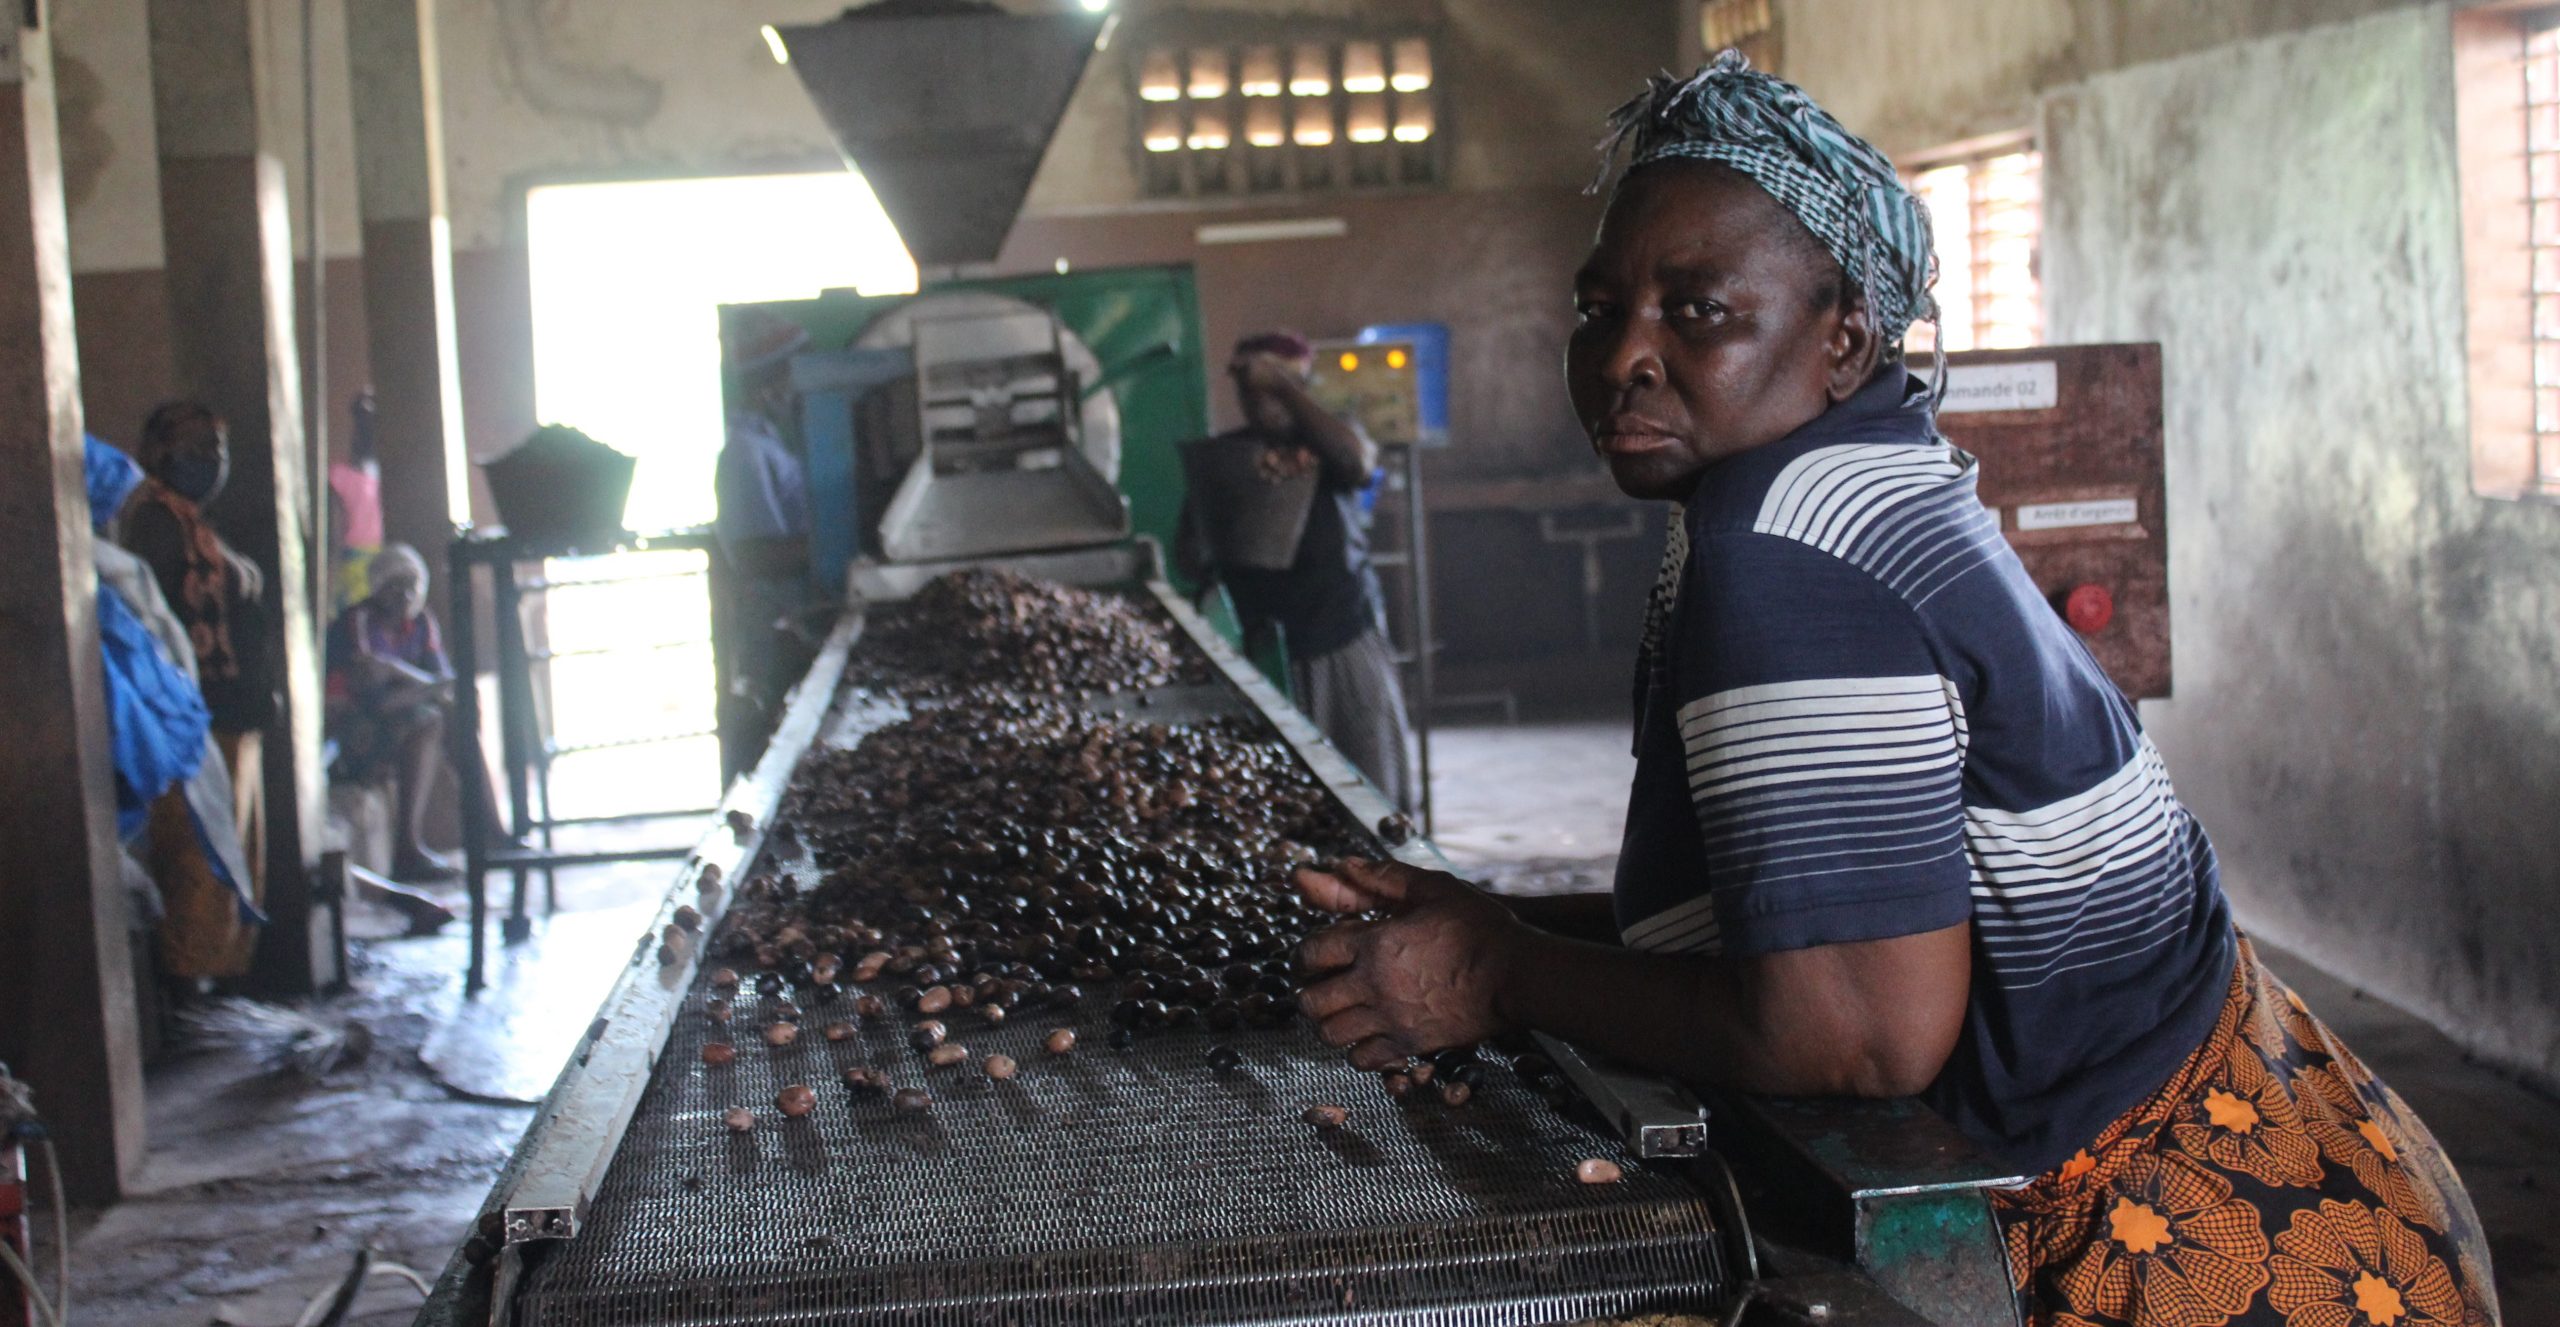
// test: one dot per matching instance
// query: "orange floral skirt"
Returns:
(2273, 1180)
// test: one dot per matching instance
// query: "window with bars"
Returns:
(2542, 243)
(1986, 208)
(1284, 116)
(2507, 140)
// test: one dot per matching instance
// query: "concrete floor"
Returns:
(259, 1185)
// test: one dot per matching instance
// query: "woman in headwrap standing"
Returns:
(216, 594)
(174, 804)
(1892, 831)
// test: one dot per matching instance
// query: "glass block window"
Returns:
(1284, 116)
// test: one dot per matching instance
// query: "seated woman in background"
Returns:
(390, 695)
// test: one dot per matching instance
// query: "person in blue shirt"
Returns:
(761, 483)
(1892, 832)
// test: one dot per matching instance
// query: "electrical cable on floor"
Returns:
(341, 1298)
(27, 1277)
(328, 1307)
(408, 1274)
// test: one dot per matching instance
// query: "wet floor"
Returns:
(260, 1185)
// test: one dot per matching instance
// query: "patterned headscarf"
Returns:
(1835, 182)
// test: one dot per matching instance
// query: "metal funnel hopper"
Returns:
(945, 106)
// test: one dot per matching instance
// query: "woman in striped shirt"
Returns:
(1892, 831)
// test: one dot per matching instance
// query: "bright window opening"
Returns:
(1987, 210)
(628, 278)
(627, 281)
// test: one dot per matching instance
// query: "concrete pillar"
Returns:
(408, 271)
(229, 241)
(66, 974)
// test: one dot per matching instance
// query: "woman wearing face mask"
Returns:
(216, 594)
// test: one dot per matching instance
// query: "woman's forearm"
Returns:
(1345, 453)
(1785, 1024)
(1667, 1014)
(1592, 917)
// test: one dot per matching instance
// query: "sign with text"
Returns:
(2029, 385)
(2073, 515)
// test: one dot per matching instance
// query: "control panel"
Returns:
(2069, 438)
(1378, 383)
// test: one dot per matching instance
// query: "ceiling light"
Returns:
(773, 43)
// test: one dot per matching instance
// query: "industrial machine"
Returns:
(1132, 1184)
(980, 403)
(1030, 423)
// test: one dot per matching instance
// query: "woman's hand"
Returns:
(1263, 372)
(1430, 976)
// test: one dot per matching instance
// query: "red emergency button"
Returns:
(2089, 608)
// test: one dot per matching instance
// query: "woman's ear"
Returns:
(1855, 349)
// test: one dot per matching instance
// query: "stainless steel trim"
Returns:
(1657, 1117)
(592, 1104)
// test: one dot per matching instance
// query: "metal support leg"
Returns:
(1418, 553)
(515, 712)
(466, 714)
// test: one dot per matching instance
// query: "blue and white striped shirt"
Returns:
(1865, 722)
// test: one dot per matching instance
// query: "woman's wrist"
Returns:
(1521, 954)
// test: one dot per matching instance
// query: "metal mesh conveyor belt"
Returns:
(1105, 1186)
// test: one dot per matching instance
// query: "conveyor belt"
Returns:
(1106, 1186)
(1112, 1186)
